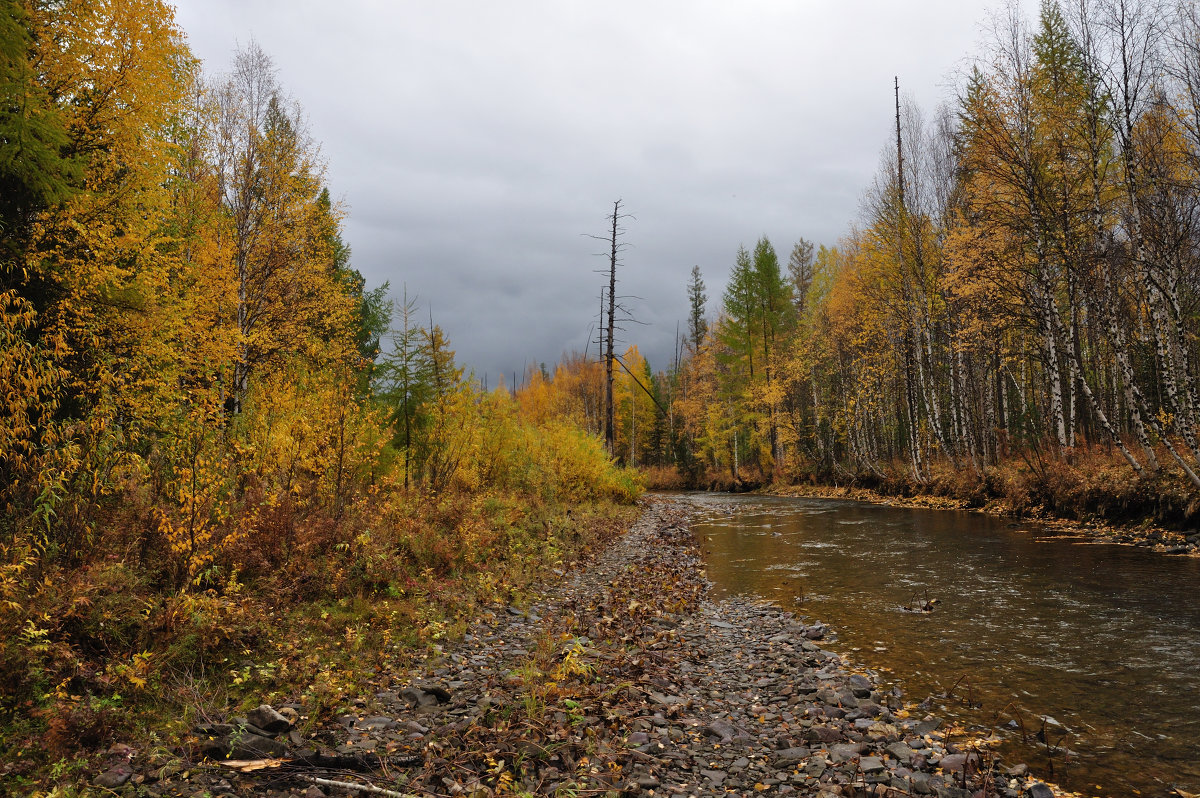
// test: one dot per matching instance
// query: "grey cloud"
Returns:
(476, 144)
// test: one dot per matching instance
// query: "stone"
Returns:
(824, 734)
(952, 792)
(722, 729)
(1039, 790)
(901, 752)
(416, 698)
(790, 756)
(254, 746)
(717, 777)
(870, 764)
(845, 752)
(377, 723)
(266, 718)
(113, 778)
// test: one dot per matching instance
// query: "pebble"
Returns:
(673, 692)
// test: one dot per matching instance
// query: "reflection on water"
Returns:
(1104, 639)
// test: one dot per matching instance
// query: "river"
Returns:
(1102, 639)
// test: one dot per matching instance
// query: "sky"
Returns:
(476, 145)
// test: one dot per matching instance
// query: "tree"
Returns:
(608, 321)
(697, 323)
(404, 381)
(800, 271)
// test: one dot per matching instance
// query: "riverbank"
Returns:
(623, 676)
(1142, 534)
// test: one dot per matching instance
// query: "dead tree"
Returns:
(608, 320)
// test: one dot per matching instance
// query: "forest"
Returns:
(215, 441)
(1014, 316)
(227, 465)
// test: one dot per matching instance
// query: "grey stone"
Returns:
(266, 718)
(845, 752)
(113, 778)
(870, 764)
(254, 746)
(1039, 790)
(953, 792)
(377, 723)
(790, 756)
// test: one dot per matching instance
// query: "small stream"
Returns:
(1103, 639)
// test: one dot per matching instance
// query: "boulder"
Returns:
(266, 718)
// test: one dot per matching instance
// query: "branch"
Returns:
(349, 785)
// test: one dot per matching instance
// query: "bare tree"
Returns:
(608, 320)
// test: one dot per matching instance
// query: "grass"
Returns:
(110, 653)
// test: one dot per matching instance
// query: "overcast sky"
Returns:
(475, 144)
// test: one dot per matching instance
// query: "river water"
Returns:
(1102, 639)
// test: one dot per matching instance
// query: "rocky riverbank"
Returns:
(1142, 535)
(624, 677)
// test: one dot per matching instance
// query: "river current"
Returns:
(1094, 646)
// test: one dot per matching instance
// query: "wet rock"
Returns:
(952, 792)
(900, 752)
(824, 734)
(790, 756)
(419, 699)
(870, 764)
(1039, 790)
(268, 720)
(845, 752)
(114, 777)
(723, 729)
(816, 631)
(253, 746)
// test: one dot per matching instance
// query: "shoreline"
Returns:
(1159, 539)
(623, 677)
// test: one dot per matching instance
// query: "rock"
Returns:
(266, 718)
(648, 782)
(790, 756)
(953, 763)
(870, 764)
(901, 752)
(722, 729)
(418, 698)
(816, 631)
(824, 734)
(436, 690)
(845, 752)
(113, 778)
(377, 723)
(1039, 790)
(952, 792)
(717, 777)
(253, 746)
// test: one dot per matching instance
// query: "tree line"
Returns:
(1022, 285)
(183, 334)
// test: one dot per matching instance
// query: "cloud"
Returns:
(475, 145)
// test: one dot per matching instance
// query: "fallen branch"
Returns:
(349, 785)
